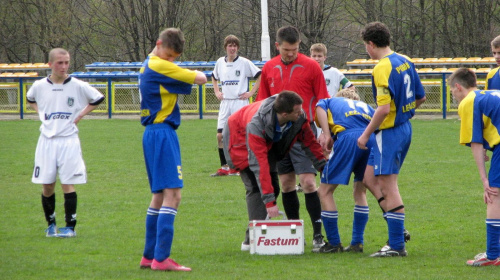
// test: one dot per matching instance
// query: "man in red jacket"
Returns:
(291, 70)
(259, 135)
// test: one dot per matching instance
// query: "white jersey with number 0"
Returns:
(60, 104)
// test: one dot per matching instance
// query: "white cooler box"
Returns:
(276, 237)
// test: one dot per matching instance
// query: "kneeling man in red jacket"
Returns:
(259, 135)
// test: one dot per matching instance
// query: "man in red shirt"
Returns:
(296, 72)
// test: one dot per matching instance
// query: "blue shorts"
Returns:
(163, 157)
(389, 153)
(494, 173)
(347, 158)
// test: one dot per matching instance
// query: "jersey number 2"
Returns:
(409, 92)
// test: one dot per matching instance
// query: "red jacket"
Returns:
(303, 76)
(248, 140)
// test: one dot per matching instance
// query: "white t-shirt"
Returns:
(233, 76)
(60, 104)
(335, 80)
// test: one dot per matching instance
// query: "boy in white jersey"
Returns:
(232, 72)
(61, 102)
(334, 79)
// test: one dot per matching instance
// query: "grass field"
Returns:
(439, 185)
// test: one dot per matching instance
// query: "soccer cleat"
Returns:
(356, 248)
(387, 251)
(146, 263)
(233, 172)
(66, 232)
(168, 264)
(482, 260)
(51, 231)
(245, 246)
(220, 172)
(298, 188)
(329, 248)
(318, 242)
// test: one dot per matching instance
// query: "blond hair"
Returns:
(348, 93)
(496, 42)
(318, 47)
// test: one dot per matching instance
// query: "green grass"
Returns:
(439, 185)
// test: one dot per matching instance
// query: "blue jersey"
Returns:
(493, 79)
(344, 114)
(395, 81)
(160, 81)
(348, 118)
(479, 112)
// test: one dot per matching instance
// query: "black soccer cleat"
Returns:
(329, 248)
(356, 248)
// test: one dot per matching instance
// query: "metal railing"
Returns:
(122, 94)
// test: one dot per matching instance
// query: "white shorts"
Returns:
(61, 154)
(227, 108)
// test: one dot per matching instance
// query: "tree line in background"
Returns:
(126, 30)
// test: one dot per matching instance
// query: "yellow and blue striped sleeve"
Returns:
(381, 74)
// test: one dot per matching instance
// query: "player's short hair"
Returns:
(285, 101)
(319, 47)
(378, 33)
(463, 76)
(56, 51)
(231, 39)
(349, 93)
(289, 34)
(173, 38)
(495, 43)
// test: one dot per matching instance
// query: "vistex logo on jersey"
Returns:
(57, 115)
(230, 83)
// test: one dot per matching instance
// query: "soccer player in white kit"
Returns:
(61, 102)
(232, 72)
(334, 79)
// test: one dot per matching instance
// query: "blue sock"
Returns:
(359, 224)
(330, 219)
(396, 225)
(165, 233)
(492, 238)
(151, 221)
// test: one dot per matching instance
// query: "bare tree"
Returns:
(126, 30)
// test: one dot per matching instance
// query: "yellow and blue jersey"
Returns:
(345, 114)
(347, 119)
(160, 81)
(479, 112)
(493, 79)
(395, 81)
